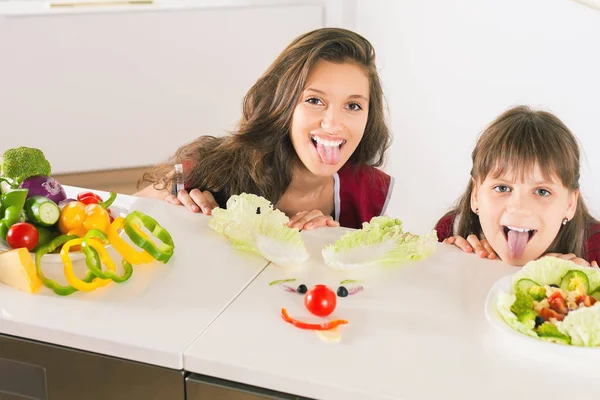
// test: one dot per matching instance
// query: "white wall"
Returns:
(450, 67)
(134, 83)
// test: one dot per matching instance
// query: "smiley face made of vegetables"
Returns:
(319, 300)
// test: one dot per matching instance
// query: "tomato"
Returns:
(320, 300)
(22, 234)
(587, 301)
(547, 313)
(558, 303)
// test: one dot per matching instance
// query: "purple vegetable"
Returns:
(45, 186)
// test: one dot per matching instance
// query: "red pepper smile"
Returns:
(325, 326)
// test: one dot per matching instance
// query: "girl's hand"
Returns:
(572, 257)
(195, 200)
(307, 220)
(472, 244)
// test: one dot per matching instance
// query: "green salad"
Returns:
(554, 300)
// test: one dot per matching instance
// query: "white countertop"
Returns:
(155, 315)
(415, 332)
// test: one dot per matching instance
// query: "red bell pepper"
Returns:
(325, 326)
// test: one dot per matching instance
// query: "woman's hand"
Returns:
(195, 200)
(572, 257)
(472, 243)
(307, 220)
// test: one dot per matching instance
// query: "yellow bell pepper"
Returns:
(77, 218)
(70, 274)
(123, 248)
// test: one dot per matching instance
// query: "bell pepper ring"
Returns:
(92, 247)
(325, 326)
(50, 283)
(70, 274)
(128, 253)
(161, 252)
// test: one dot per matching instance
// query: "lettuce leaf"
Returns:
(550, 270)
(505, 301)
(252, 224)
(380, 241)
(582, 326)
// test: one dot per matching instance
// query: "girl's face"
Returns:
(329, 120)
(521, 218)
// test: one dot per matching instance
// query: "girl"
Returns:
(523, 199)
(311, 134)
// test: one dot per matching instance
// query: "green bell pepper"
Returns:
(93, 259)
(133, 224)
(11, 205)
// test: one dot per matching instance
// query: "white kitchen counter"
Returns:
(415, 332)
(155, 315)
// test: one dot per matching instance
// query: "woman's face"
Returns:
(330, 119)
(520, 218)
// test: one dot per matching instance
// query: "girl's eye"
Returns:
(354, 107)
(314, 101)
(542, 192)
(502, 189)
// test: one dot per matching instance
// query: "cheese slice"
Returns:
(18, 270)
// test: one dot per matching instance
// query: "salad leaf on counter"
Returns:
(252, 224)
(381, 240)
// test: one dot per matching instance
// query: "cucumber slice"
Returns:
(532, 289)
(574, 280)
(41, 211)
(596, 294)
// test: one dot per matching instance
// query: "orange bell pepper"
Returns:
(77, 218)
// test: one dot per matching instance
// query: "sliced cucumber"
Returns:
(532, 289)
(41, 211)
(575, 279)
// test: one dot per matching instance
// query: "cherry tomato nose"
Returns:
(320, 300)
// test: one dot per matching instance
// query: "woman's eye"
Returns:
(354, 107)
(542, 192)
(502, 188)
(314, 101)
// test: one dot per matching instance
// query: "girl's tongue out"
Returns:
(329, 150)
(516, 242)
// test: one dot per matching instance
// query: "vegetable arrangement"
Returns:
(554, 300)
(36, 216)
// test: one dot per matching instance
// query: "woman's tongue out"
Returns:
(329, 154)
(516, 243)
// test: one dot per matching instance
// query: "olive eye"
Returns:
(301, 289)
(342, 291)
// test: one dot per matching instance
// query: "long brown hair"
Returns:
(258, 157)
(517, 140)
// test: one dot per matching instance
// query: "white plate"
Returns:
(503, 285)
(117, 211)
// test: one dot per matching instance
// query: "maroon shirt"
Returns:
(445, 229)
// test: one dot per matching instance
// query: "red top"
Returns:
(445, 229)
(360, 193)
(363, 192)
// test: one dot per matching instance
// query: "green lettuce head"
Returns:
(380, 241)
(251, 224)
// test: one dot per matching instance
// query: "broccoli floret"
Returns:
(550, 331)
(22, 162)
(538, 293)
(523, 307)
